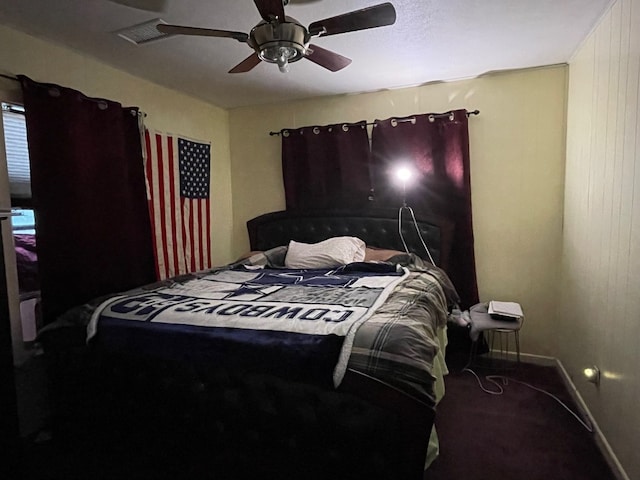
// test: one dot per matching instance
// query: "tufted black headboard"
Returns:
(377, 228)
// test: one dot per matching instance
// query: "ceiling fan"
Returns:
(282, 40)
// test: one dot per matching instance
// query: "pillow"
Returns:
(332, 252)
(247, 255)
(373, 254)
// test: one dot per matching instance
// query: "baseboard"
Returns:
(527, 358)
(601, 440)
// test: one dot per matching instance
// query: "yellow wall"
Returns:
(517, 171)
(167, 110)
(600, 319)
(517, 145)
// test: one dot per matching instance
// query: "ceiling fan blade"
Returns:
(370, 17)
(326, 58)
(247, 64)
(150, 5)
(269, 9)
(203, 32)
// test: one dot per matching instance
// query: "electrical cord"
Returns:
(494, 379)
(415, 224)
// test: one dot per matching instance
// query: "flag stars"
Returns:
(195, 159)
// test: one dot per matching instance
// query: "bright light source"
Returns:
(592, 374)
(404, 173)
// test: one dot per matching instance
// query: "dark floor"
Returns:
(522, 434)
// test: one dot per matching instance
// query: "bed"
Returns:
(354, 396)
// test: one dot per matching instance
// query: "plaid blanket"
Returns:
(397, 344)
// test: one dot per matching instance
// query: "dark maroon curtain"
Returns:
(436, 148)
(87, 180)
(327, 166)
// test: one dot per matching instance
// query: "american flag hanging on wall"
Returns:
(178, 182)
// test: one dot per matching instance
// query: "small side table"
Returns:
(481, 321)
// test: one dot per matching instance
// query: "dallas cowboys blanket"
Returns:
(302, 323)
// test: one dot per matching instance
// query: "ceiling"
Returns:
(431, 40)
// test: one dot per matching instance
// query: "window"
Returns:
(15, 140)
(24, 222)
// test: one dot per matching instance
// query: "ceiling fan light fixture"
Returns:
(283, 40)
(282, 53)
(283, 65)
(282, 43)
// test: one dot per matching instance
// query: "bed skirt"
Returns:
(159, 419)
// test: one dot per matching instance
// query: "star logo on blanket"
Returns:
(285, 278)
(250, 292)
(302, 277)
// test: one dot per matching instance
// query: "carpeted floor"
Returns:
(522, 434)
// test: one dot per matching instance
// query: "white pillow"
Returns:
(329, 253)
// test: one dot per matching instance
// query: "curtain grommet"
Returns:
(285, 133)
(316, 130)
(345, 127)
(394, 122)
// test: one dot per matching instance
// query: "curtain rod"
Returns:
(96, 100)
(9, 77)
(400, 120)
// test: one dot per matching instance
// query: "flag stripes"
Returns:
(181, 225)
